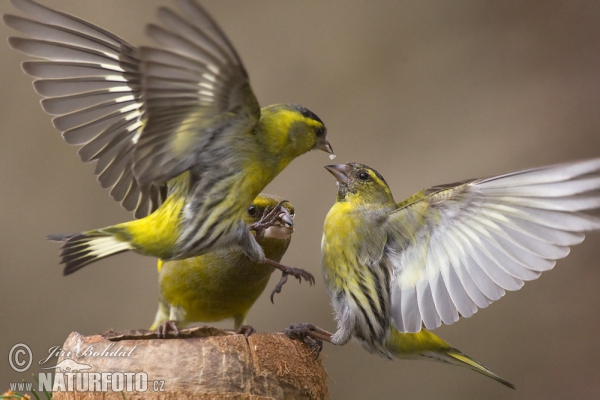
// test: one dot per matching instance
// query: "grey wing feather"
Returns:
(198, 70)
(460, 248)
(91, 84)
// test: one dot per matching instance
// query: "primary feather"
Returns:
(181, 111)
(485, 236)
(91, 84)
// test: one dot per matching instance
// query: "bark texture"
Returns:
(206, 363)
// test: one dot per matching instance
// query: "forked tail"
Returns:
(81, 249)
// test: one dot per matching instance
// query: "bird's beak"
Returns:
(341, 172)
(286, 218)
(325, 146)
(283, 226)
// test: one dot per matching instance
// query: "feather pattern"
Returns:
(483, 237)
(144, 115)
(90, 81)
(202, 73)
(180, 115)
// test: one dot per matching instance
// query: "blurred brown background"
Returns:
(426, 92)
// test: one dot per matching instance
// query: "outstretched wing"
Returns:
(196, 93)
(145, 115)
(458, 248)
(90, 81)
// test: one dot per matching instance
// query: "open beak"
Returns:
(341, 172)
(283, 226)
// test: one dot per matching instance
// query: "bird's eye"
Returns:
(252, 210)
(363, 176)
(320, 132)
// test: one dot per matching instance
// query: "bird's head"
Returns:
(284, 224)
(361, 184)
(275, 239)
(292, 130)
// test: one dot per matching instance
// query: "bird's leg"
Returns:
(245, 330)
(162, 332)
(310, 334)
(267, 220)
(285, 271)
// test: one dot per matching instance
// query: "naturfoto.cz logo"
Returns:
(71, 375)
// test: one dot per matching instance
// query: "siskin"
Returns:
(391, 269)
(176, 130)
(218, 285)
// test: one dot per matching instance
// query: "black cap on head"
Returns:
(307, 113)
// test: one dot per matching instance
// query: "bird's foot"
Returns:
(309, 334)
(162, 332)
(245, 330)
(268, 219)
(285, 272)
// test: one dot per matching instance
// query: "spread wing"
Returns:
(145, 115)
(196, 93)
(90, 81)
(455, 249)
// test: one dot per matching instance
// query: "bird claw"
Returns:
(304, 332)
(162, 332)
(279, 286)
(245, 330)
(267, 220)
(296, 273)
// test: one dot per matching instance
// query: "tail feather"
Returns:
(81, 249)
(456, 357)
(424, 344)
(61, 237)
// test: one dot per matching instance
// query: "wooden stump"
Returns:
(208, 363)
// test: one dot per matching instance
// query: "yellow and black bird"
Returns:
(392, 269)
(176, 131)
(221, 285)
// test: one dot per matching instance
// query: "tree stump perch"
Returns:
(206, 363)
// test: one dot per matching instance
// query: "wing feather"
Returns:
(426, 306)
(444, 305)
(154, 111)
(90, 81)
(464, 292)
(458, 293)
(200, 70)
(483, 237)
(537, 248)
(480, 288)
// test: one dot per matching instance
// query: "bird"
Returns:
(218, 285)
(175, 130)
(395, 269)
